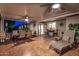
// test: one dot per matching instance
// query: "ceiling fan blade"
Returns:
(48, 4)
(48, 10)
(43, 5)
(7, 13)
(25, 12)
(63, 8)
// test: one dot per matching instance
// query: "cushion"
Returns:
(66, 38)
(60, 45)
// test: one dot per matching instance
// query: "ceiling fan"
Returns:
(52, 6)
(49, 7)
(26, 17)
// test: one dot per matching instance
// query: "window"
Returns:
(52, 25)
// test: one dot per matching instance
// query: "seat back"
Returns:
(69, 36)
(8, 36)
(2, 35)
(29, 34)
(15, 33)
(22, 33)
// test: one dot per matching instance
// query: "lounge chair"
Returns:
(65, 44)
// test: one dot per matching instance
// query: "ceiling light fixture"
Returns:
(56, 6)
(26, 19)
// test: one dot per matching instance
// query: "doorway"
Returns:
(41, 29)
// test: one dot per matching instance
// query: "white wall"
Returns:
(61, 28)
(72, 19)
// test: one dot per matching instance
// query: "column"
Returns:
(37, 28)
(2, 25)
